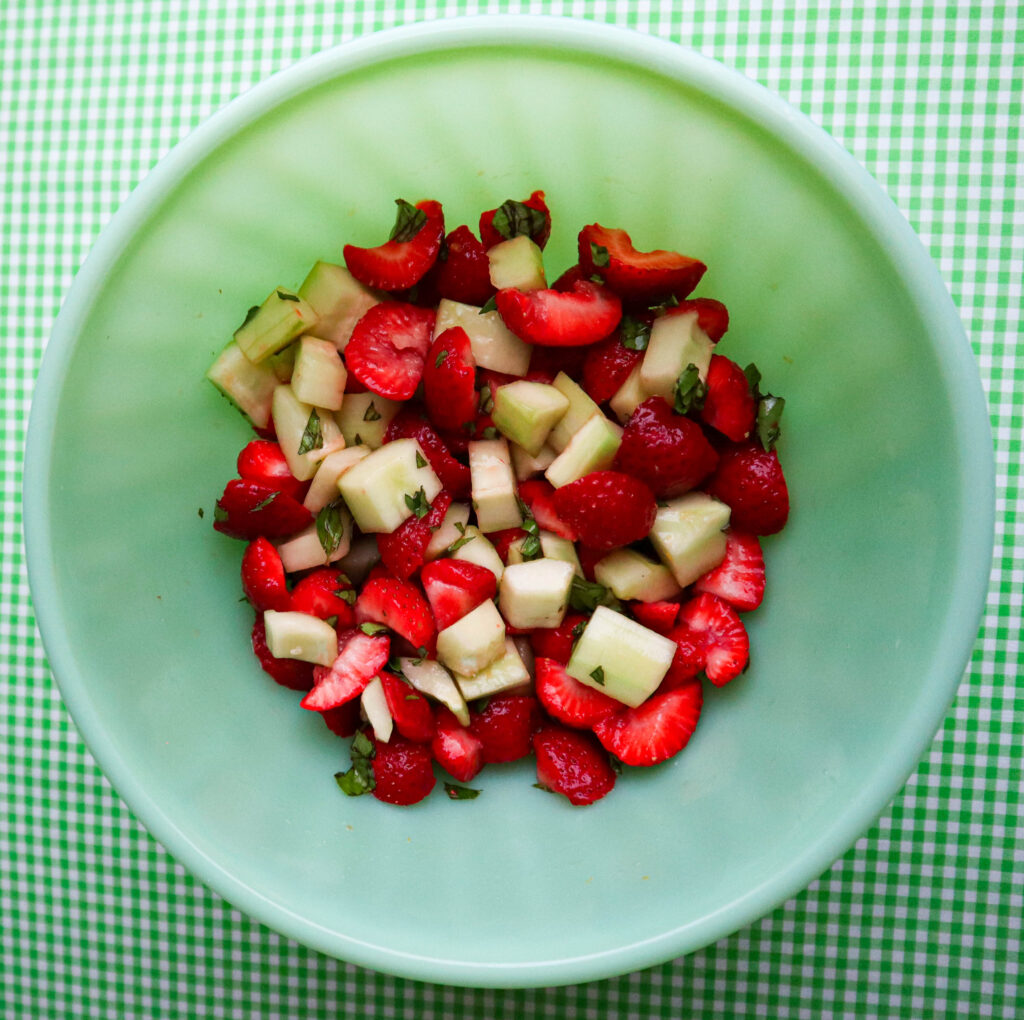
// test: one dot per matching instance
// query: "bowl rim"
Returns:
(796, 132)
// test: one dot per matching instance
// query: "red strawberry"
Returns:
(657, 616)
(248, 510)
(712, 315)
(538, 495)
(583, 315)
(570, 277)
(689, 659)
(453, 475)
(263, 461)
(324, 593)
(589, 558)
(400, 606)
(667, 450)
(459, 752)
(739, 578)
(654, 731)
(606, 367)
(502, 541)
(388, 347)
(556, 642)
(403, 551)
(638, 277)
(512, 221)
(573, 764)
(607, 509)
(505, 727)
(569, 701)
(449, 380)
(263, 577)
(547, 362)
(360, 658)
(455, 588)
(403, 771)
(409, 709)
(401, 262)
(729, 405)
(343, 720)
(723, 637)
(463, 272)
(291, 673)
(749, 479)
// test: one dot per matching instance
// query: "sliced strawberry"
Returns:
(403, 551)
(749, 479)
(654, 731)
(343, 720)
(360, 658)
(403, 771)
(729, 405)
(263, 577)
(403, 260)
(449, 380)
(538, 495)
(400, 606)
(657, 616)
(638, 277)
(606, 509)
(739, 578)
(589, 558)
(463, 272)
(556, 642)
(607, 367)
(547, 362)
(530, 217)
(409, 709)
(453, 475)
(388, 347)
(712, 315)
(505, 727)
(723, 637)
(291, 673)
(455, 588)
(569, 701)
(573, 318)
(248, 510)
(459, 752)
(572, 763)
(571, 276)
(689, 659)
(325, 593)
(667, 450)
(502, 541)
(263, 461)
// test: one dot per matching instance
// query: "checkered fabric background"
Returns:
(921, 918)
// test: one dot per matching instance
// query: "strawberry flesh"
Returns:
(248, 510)
(403, 771)
(458, 751)
(750, 480)
(582, 315)
(556, 642)
(505, 727)
(739, 578)
(657, 616)
(409, 709)
(464, 272)
(606, 509)
(606, 368)
(449, 380)
(263, 461)
(567, 700)
(291, 673)
(729, 405)
(360, 658)
(263, 579)
(455, 588)
(389, 346)
(398, 265)
(325, 593)
(400, 606)
(538, 495)
(654, 731)
(573, 764)
(712, 315)
(722, 638)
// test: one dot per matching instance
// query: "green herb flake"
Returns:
(357, 440)
(530, 548)
(285, 295)
(513, 218)
(370, 629)
(599, 255)
(490, 305)
(347, 595)
(585, 596)
(486, 400)
(219, 513)
(408, 222)
(490, 432)
(456, 792)
(261, 505)
(441, 358)
(634, 334)
(330, 528)
(418, 503)
(459, 542)
(769, 409)
(312, 435)
(578, 630)
(201, 513)
(359, 778)
(541, 786)
(689, 390)
(249, 316)
(421, 461)
(371, 413)
(597, 675)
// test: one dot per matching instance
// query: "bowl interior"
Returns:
(873, 589)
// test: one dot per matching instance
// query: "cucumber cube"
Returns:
(301, 426)
(319, 374)
(687, 535)
(581, 409)
(293, 635)
(620, 657)
(385, 488)
(505, 673)
(631, 575)
(517, 262)
(554, 547)
(429, 677)
(473, 642)
(535, 593)
(339, 300)
(525, 412)
(249, 387)
(479, 549)
(526, 466)
(374, 703)
(324, 487)
(365, 417)
(494, 485)
(676, 342)
(304, 550)
(629, 396)
(493, 344)
(275, 324)
(593, 448)
(450, 531)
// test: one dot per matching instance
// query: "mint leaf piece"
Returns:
(372, 628)
(490, 305)
(440, 359)
(513, 218)
(597, 675)
(312, 435)
(285, 295)
(585, 596)
(634, 334)
(409, 221)
(418, 504)
(689, 390)
(261, 505)
(456, 792)
(330, 528)
(421, 461)
(599, 255)
(371, 413)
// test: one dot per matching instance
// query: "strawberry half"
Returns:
(721, 635)
(459, 752)
(400, 606)
(294, 674)
(455, 588)
(403, 771)
(343, 720)
(263, 461)
(637, 277)
(729, 405)
(530, 217)
(569, 701)
(739, 578)
(263, 577)
(606, 509)
(463, 271)
(452, 474)
(248, 510)
(403, 260)
(505, 726)
(388, 348)
(403, 551)
(582, 315)
(654, 731)
(449, 380)
(325, 593)
(360, 658)
(572, 763)
(657, 616)
(749, 479)
(556, 642)
(606, 367)
(409, 709)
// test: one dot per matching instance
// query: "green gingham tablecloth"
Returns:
(921, 918)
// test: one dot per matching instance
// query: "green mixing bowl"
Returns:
(875, 588)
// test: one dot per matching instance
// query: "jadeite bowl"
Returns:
(875, 587)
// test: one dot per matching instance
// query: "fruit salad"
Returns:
(490, 516)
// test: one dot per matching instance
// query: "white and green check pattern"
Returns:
(922, 918)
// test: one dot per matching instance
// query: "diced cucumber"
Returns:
(324, 486)
(629, 396)
(431, 678)
(593, 448)
(503, 674)
(365, 417)
(319, 374)
(525, 412)
(304, 549)
(473, 642)
(581, 409)
(292, 635)
(301, 426)
(535, 593)
(631, 575)
(374, 703)
(249, 387)
(687, 535)
(557, 548)
(449, 531)
(493, 344)
(517, 262)
(274, 325)
(676, 342)
(478, 548)
(526, 466)
(339, 300)
(494, 485)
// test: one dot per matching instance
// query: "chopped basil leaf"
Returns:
(597, 675)
(490, 305)
(261, 505)
(599, 255)
(634, 334)
(456, 792)
(541, 786)
(769, 409)
(357, 440)
(312, 436)
(359, 779)
(418, 504)
(219, 513)
(371, 413)
(530, 547)
(585, 596)
(372, 628)
(286, 296)
(469, 427)
(486, 400)
(690, 390)
(512, 218)
(459, 542)
(409, 221)
(616, 763)
(440, 359)
(201, 514)
(249, 316)
(330, 527)
(578, 630)
(421, 461)
(753, 374)
(490, 432)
